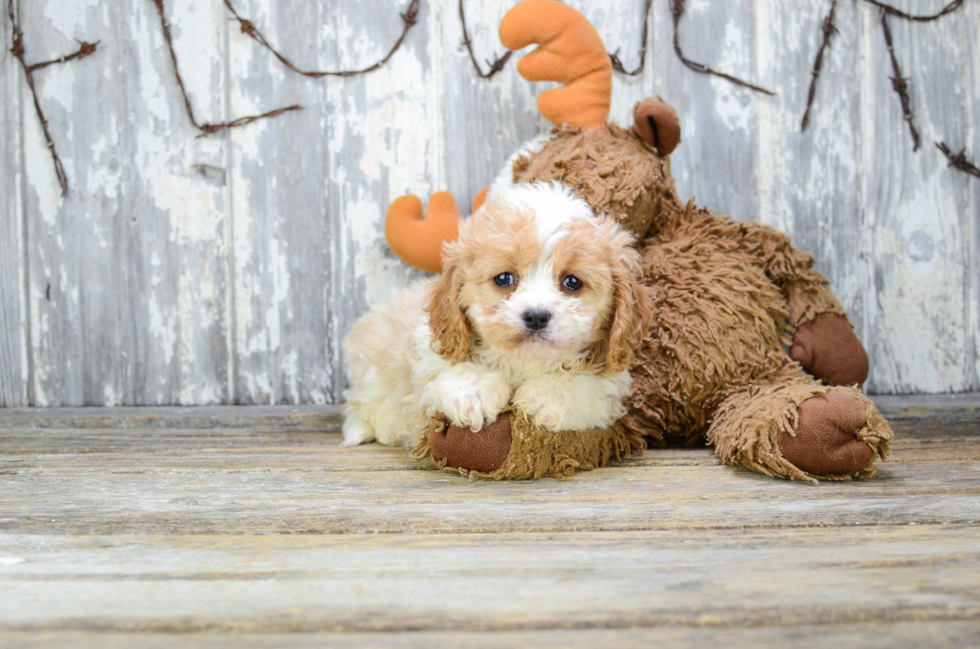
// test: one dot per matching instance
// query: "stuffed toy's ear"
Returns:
(657, 123)
(417, 240)
(571, 52)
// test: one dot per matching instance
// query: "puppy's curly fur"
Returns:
(539, 305)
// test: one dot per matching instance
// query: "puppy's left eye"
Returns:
(572, 283)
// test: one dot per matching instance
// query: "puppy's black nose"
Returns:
(536, 319)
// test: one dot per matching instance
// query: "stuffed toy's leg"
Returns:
(800, 430)
(824, 342)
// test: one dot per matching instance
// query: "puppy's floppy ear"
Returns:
(632, 311)
(450, 330)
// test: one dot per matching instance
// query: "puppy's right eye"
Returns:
(504, 280)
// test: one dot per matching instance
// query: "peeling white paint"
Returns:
(69, 18)
(41, 178)
(109, 398)
(162, 328)
(733, 104)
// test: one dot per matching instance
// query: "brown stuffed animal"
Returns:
(730, 299)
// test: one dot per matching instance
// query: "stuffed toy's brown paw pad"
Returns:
(828, 348)
(825, 441)
(483, 451)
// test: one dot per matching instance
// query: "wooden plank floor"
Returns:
(227, 526)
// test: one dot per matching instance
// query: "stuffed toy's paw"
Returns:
(514, 448)
(834, 436)
(828, 348)
(483, 451)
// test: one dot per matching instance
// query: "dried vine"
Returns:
(959, 160)
(498, 62)
(829, 29)
(677, 11)
(205, 128)
(614, 56)
(409, 18)
(899, 83)
(84, 49)
(249, 29)
(888, 9)
(19, 51)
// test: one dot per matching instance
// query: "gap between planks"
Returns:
(963, 406)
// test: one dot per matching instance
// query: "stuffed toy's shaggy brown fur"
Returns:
(749, 350)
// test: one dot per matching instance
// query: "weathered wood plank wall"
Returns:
(13, 345)
(227, 269)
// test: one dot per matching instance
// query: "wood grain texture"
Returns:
(463, 583)
(819, 636)
(476, 137)
(810, 181)
(963, 133)
(237, 533)
(719, 121)
(13, 341)
(310, 191)
(269, 445)
(929, 407)
(126, 273)
(918, 213)
(229, 269)
(963, 406)
(253, 480)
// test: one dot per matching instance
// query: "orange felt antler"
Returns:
(571, 52)
(417, 240)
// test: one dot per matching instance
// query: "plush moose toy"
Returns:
(749, 350)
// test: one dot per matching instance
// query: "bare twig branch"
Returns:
(209, 129)
(888, 9)
(248, 28)
(828, 31)
(959, 160)
(19, 52)
(614, 56)
(677, 10)
(205, 129)
(899, 83)
(498, 62)
(84, 49)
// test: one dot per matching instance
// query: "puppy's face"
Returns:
(536, 275)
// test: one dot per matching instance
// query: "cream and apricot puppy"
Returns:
(538, 305)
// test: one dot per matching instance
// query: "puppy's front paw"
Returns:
(475, 400)
(548, 404)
